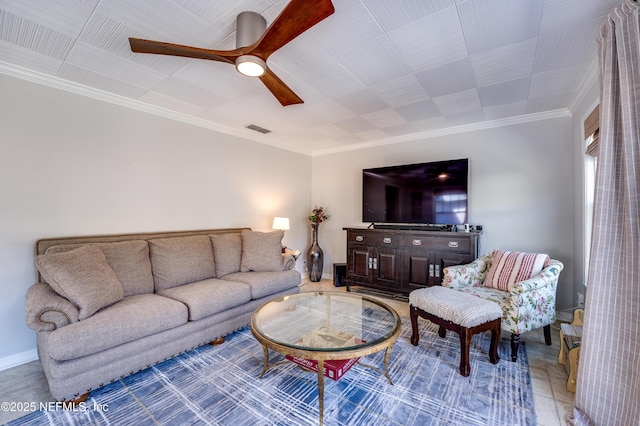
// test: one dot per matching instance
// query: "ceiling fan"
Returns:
(254, 44)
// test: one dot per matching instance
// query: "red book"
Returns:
(333, 369)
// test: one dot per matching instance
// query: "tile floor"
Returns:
(26, 383)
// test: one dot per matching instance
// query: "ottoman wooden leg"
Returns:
(442, 332)
(465, 341)
(414, 325)
(495, 339)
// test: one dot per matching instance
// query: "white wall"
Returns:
(521, 188)
(71, 165)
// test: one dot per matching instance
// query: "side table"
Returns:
(570, 338)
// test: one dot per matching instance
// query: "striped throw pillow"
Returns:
(510, 267)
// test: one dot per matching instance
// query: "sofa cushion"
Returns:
(227, 252)
(208, 297)
(132, 318)
(82, 276)
(261, 251)
(266, 283)
(510, 267)
(181, 260)
(128, 259)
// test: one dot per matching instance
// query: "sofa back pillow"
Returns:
(181, 260)
(261, 251)
(510, 267)
(128, 259)
(227, 253)
(83, 277)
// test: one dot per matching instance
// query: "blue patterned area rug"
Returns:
(220, 386)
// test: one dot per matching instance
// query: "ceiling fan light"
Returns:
(251, 66)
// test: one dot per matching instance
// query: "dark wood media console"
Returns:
(399, 261)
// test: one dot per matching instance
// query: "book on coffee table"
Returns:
(325, 337)
(333, 369)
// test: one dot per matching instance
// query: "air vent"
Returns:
(258, 129)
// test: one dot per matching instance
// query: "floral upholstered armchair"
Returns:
(523, 284)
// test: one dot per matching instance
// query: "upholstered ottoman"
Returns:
(460, 312)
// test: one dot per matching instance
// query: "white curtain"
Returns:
(608, 388)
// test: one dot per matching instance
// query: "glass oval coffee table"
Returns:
(314, 327)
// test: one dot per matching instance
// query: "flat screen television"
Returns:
(425, 193)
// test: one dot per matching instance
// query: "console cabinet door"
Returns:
(385, 272)
(419, 269)
(358, 265)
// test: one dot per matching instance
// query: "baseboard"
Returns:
(18, 359)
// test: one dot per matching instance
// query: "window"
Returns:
(591, 130)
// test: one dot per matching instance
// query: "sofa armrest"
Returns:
(548, 277)
(46, 310)
(288, 262)
(469, 275)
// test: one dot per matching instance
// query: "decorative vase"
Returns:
(315, 257)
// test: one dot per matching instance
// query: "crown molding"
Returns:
(520, 119)
(101, 95)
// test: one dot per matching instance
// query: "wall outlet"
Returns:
(581, 300)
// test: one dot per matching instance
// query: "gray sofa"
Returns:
(105, 307)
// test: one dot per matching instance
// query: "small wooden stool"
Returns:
(460, 312)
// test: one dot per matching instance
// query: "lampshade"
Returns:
(251, 66)
(281, 223)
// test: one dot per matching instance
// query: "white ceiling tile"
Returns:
(433, 123)
(161, 20)
(488, 24)
(330, 111)
(431, 41)
(197, 95)
(171, 103)
(351, 25)
(505, 63)
(401, 130)
(554, 82)
(505, 93)
(374, 61)
(385, 118)
(362, 102)
(398, 13)
(372, 135)
(450, 78)
(560, 14)
(355, 125)
(66, 17)
(505, 110)
(548, 103)
(330, 131)
(113, 66)
(401, 91)
(219, 78)
(29, 59)
(17, 30)
(458, 119)
(91, 79)
(568, 46)
(457, 103)
(419, 110)
(222, 15)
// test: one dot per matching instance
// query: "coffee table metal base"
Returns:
(321, 358)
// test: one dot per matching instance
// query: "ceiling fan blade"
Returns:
(297, 17)
(149, 46)
(281, 91)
